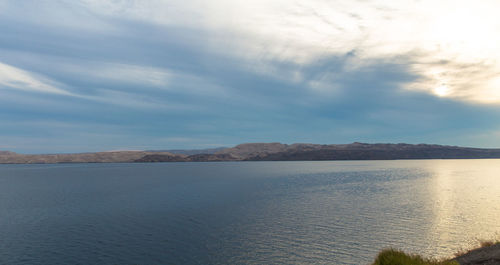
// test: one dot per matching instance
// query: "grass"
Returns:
(396, 257)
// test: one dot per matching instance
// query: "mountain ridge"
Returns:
(267, 152)
(322, 152)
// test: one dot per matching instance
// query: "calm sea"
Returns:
(244, 212)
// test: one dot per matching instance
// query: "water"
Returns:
(244, 212)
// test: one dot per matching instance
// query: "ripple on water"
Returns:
(244, 213)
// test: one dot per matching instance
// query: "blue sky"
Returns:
(85, 75)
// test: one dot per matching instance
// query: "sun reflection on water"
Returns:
(465, 199)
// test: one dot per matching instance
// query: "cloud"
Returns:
(113, 73)
(63, 15)
(15, 78)
(471, 82)
(232, 71)
(422, 33)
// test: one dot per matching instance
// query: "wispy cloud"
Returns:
(115, 73)
(15, 78)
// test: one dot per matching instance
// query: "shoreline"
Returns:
(488, 253)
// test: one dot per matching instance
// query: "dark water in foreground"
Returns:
(244, 213)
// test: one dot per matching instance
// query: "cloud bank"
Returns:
(222, 72)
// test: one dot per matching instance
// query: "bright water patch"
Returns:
(244, 212)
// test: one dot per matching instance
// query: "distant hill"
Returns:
(99, 157)
(318, 152)
(190, 151)
(266, 152)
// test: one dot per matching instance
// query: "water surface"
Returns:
(244, 212)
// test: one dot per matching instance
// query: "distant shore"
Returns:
(265, 152)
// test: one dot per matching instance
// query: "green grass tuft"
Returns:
(395, 257)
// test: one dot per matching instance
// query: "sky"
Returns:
(96, 75)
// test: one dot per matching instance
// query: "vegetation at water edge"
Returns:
(396, 257)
